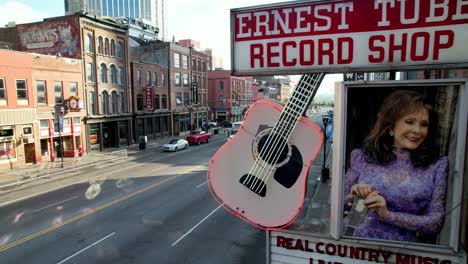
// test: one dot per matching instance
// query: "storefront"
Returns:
(108, 133)
(154, 126)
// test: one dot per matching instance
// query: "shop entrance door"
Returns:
(29, 153)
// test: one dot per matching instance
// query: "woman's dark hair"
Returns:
(378, 146)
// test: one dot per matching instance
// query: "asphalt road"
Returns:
(154, 210)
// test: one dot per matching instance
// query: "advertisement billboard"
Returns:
(51, 38)
(352, 35)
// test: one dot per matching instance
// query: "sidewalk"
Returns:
(28, 174)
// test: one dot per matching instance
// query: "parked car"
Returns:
(212, 124)
(236, 125)
(196, 137)
(226, 124)
(175, 145)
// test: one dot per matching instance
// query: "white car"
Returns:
(232, 133)
(175, 144)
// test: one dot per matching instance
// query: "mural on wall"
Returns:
(52, 38)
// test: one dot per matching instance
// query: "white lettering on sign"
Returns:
(339, 35)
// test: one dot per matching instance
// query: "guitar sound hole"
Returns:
(276, 145)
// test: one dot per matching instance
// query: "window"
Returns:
(76, 120)
(21, 89)
(221, 100)
(140, 102)
(92, 110)
(104, 102)
(185, 61)
(138, 77)
(185, 78)
(156, 102)
(114, 102)
(155, 78)
(41, 91)
(120, 75)
(89, 43)
(119, 49)
(176, 60)
(186, 98)
(100, 45)
(58, 92)
(148, 78)
(163, 79)
(164, 101)
(178, 99)
(204, 66)
(113, 74)
(73, 88)
(122, 102)
(194, 64)
(89, 72)
(112, 48)
(2, 89)
(177, 79)
(103, 73)
(106, 46)
(44, 123)
(198, 65)
(221, 85)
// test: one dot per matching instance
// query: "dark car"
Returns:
(227, 124)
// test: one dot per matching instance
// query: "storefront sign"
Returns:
(299, 249)
(338, 36)
(149, 98)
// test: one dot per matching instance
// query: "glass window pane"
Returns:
(58, 92)
(137, 9)
(104, 7)
(2, 89)
(44, 123)
(41, 92)
(73, 89)
(132, 8)
(21, 90)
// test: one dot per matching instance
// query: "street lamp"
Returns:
(59, 119)
(325, 169)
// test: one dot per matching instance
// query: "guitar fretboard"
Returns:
(298, 103)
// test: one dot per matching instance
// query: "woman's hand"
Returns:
(376, 202)
(361, 190)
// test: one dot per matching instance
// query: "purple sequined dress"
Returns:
(415, 196)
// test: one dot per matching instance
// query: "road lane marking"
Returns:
(45, 207)
(96, 209)
(86, 248)
(201, 185)
(160, 168)
(193, 228)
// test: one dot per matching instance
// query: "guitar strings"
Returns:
(301, 106)
(265, 175)
(276, 135)
(256, 183)
(257, 161)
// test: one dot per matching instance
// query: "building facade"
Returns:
(229, 96)
(32, 87)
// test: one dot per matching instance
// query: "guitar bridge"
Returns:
(254, 184)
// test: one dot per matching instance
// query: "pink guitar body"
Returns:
(271, 196)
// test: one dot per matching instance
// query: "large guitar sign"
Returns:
(260, 174)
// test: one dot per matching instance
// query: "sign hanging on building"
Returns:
(195, 93)
(352, 35)
(149, 97)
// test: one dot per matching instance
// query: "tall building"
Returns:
(151, 12)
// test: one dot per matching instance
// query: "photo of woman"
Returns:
(398, 172)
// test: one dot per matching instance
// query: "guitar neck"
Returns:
(298, 103)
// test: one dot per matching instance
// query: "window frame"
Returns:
(177, 77)
(70, 85)
(25, 89)
(44, 92)
(176, 60)
(61, 92)
(339, 159)
(3, 87)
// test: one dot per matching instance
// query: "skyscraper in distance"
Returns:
(151, 12)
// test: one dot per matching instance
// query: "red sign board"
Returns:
(356, 35)
(51, 38)
(149, 97)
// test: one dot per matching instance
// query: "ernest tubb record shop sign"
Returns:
(353, 35)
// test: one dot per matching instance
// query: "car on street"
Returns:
(175, 145)
(212, 124)
(232, 133)
(198, 136)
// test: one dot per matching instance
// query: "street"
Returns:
(150, 212)
(155, 209)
